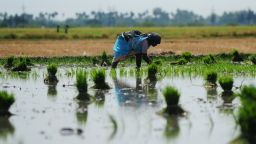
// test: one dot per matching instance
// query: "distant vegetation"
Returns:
(157, 17)
(112, 32)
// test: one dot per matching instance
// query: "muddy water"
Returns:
(127, 113)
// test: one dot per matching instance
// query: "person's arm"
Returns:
(146, 58)
(145, 47)
(114, 64)
(138, 60)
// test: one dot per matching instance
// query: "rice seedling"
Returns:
(132, 72)
(181, 61)
(104, 59)
(6, 100)
(9, 62)
(94, 60)
(51, 76)
(253, 59)
(211, 78)
(113, 73)
(226, 83)
(247, 115)
(123, 72)
(28, 61)
(236, 56)
(172, 96)
(81, 81)
(21, 66)
(152, 71)
(209, 59)
(98, 77)
(186, 55)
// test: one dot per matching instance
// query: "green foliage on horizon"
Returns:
(111, 32)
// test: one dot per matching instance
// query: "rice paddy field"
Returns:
(198, 89)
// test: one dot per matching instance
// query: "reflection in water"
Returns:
(6, 128)
(19, 75)
(172, 127)
(129, 95)
(52, 91)
(228, 97)
(82, 112)
(211, 93)
(100, 98)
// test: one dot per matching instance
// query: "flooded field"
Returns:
(126, 113)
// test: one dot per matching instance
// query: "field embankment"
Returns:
(93, 41)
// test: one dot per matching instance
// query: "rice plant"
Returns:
(152, 71)
(211, 77)
(253, 59)
(28, 61)
(98, 77)
(21, 66)
(186, 55)
(113, 73)
(81, 81)
(209, 59)
(236, 56)
(247, 115)
(51, 76)
(181, 61)
(9, 62)
(226, 83)
(104, 59)
(6, 100)
(172, 96)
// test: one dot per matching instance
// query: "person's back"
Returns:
(134, 42)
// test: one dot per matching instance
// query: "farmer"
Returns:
(134, 43)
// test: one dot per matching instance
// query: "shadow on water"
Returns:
(100, 98)
(172, 128)
(128, 95)
(52, 91)
(82, 112)
(211, 93)
(6, 128)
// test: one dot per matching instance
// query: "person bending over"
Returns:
(134, 43)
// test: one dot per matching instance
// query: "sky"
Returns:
(68, 8)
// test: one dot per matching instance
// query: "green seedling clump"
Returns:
(211, 77)
(51, 77)
(152, 71)
(181, 61)
(6, 100)
(253, 59)
(98, 77)
(186, 55)
(28, 61)
(209, 59)
(172, 96)
(247, 115)
(81, 81)
(95, 60)
(226, 83)
(9, 62)
(104, 59)
(21, 66)
(236, 56)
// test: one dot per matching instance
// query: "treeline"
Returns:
(156, 17)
